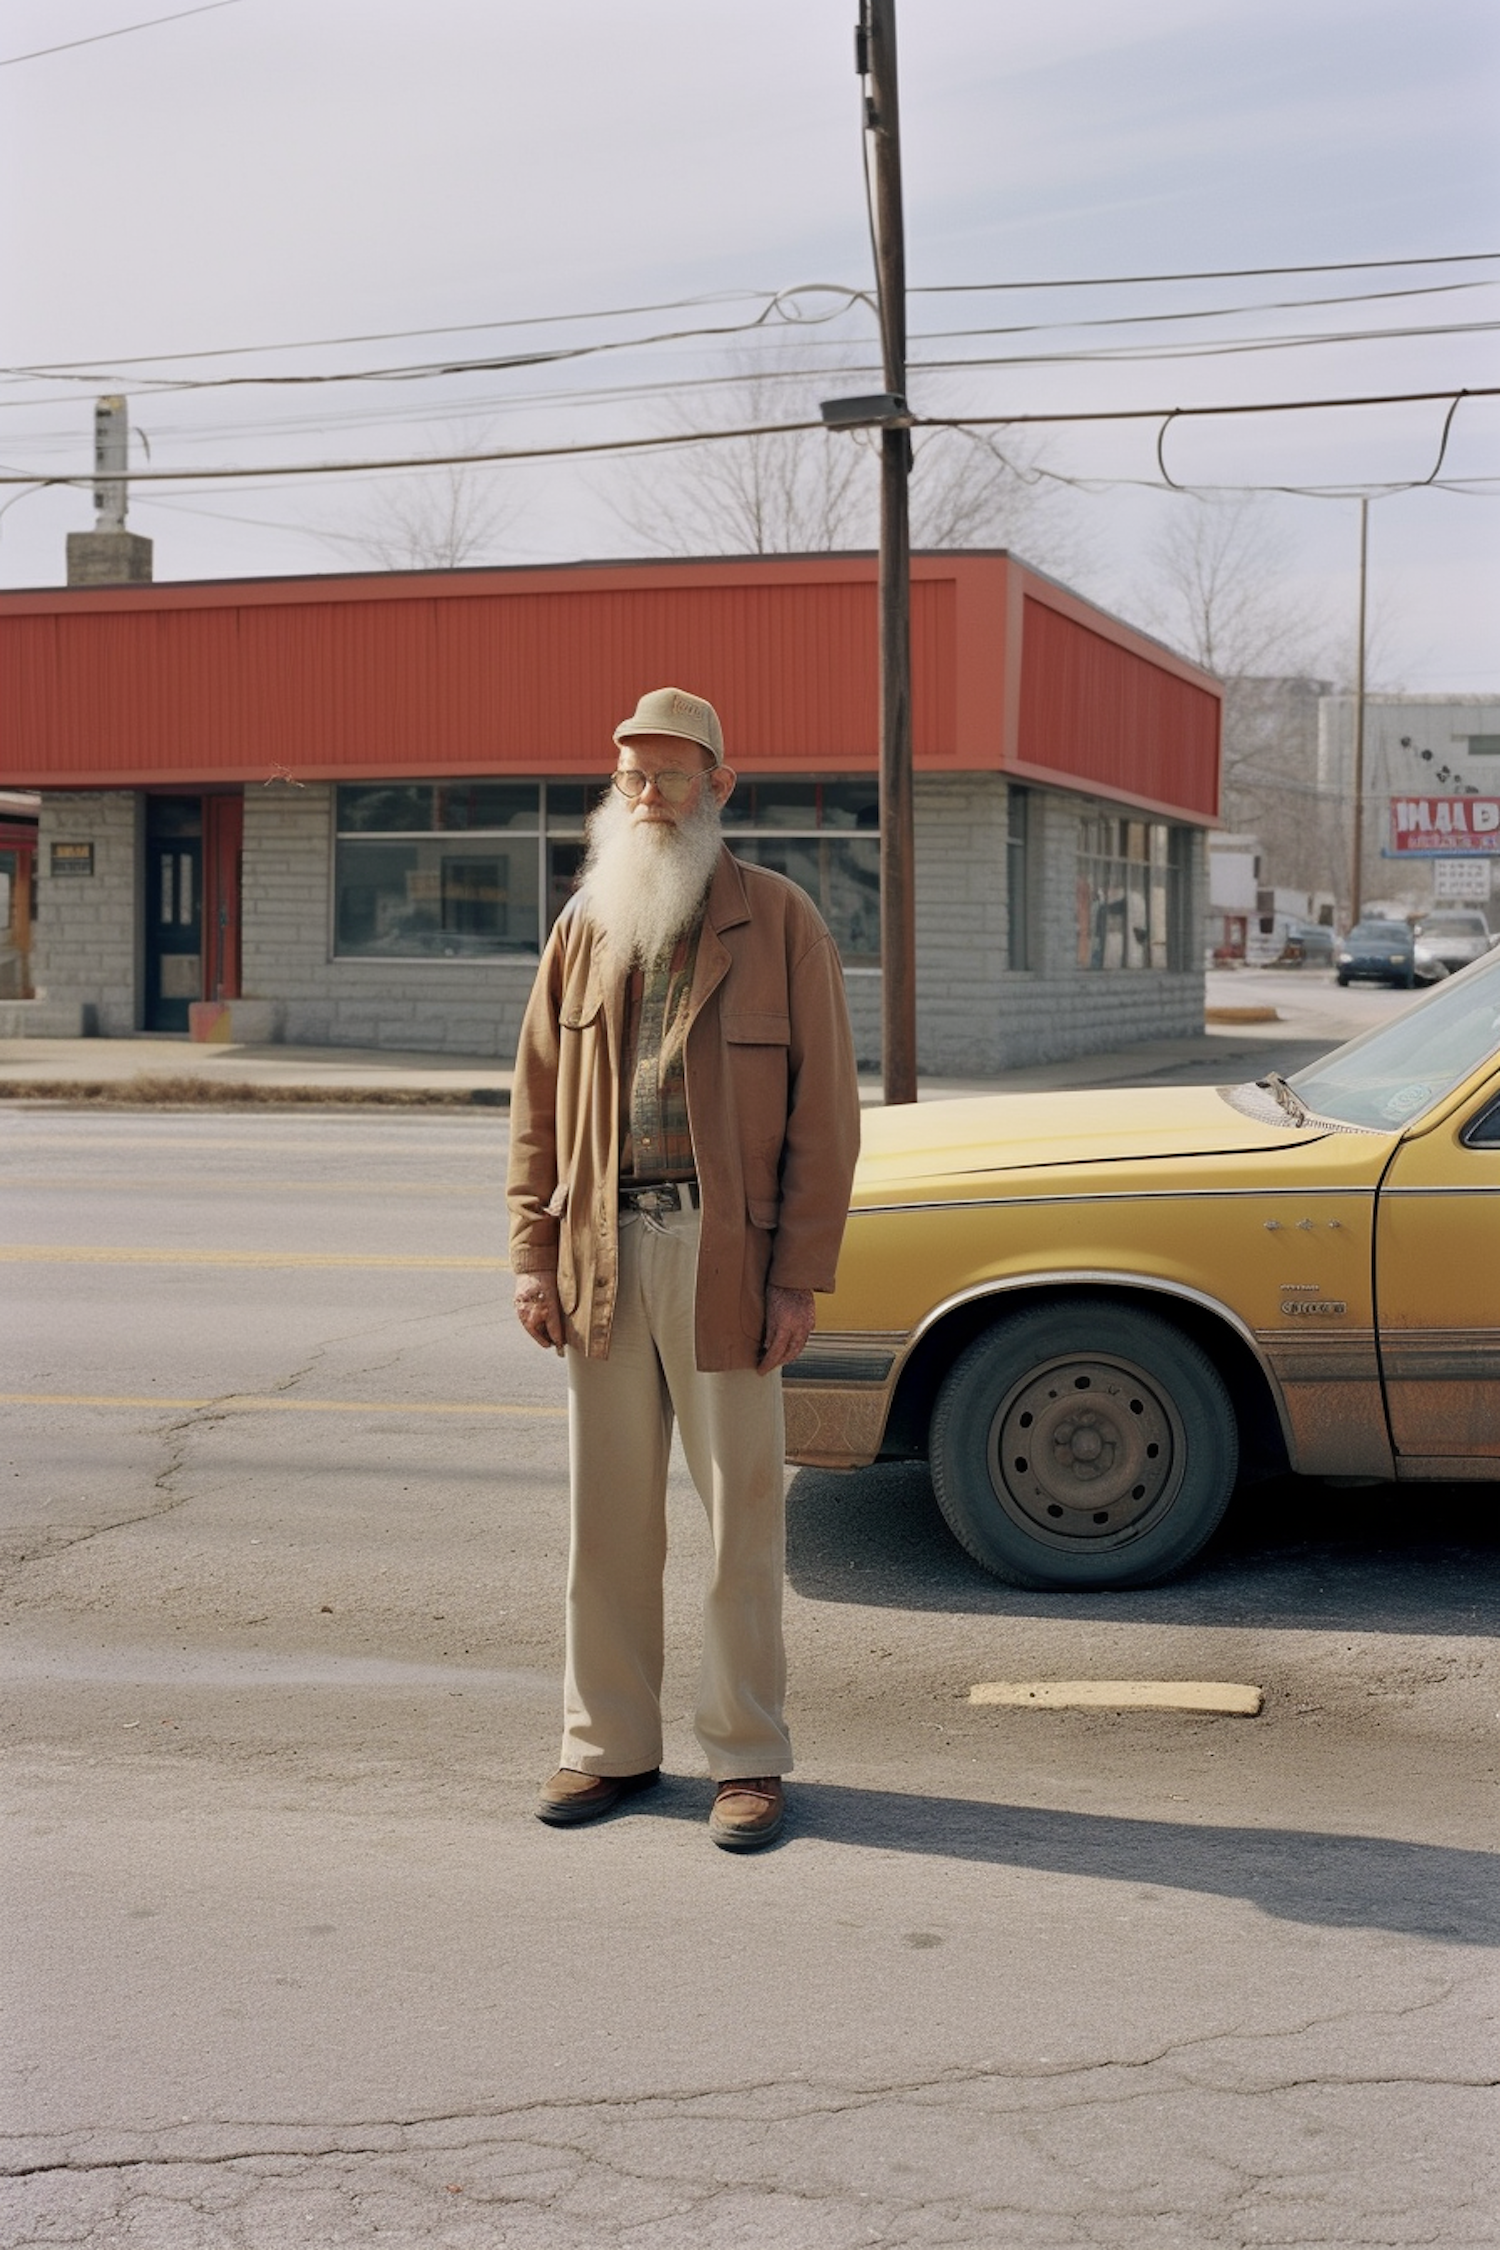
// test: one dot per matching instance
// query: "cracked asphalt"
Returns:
(289, 1965)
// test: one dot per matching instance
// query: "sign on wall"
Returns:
(72, 858)
(1461, 879)
(1444, 827)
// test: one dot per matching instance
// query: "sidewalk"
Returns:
(175, 1073)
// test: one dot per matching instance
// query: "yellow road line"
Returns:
(1229, 1697)
(225, 1183)
(70, 1254)
(235, 1404)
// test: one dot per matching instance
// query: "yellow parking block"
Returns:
(1227, 1697)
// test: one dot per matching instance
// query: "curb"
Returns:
(203, 1093)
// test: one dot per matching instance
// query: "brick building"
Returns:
(351, 807)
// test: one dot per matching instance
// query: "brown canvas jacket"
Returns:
(772, 1099)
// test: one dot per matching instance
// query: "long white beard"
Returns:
(645, 881)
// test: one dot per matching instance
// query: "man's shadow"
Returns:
(1296, 1874)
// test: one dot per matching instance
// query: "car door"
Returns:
(1437, 1286)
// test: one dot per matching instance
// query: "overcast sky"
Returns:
(295, 172)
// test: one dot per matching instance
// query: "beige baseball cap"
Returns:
(670, 710)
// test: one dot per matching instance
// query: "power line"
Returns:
(92, 369)
(681, 438)
(1223, 273)
(123, 31)
(447, 370)
(1140, 354)
(1212, 312)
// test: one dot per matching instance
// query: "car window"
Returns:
(1388, 1077)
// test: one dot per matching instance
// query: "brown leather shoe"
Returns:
(570, 1798)
(747, 1814)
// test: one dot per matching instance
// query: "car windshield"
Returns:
(1453, 925)
(1380, 933)
(1387, 1077)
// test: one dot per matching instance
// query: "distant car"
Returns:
(1308, 944)
(1385, 952)
(1455, 936)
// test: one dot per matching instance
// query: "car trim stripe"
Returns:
(1493, 1189)
(1121, 1195)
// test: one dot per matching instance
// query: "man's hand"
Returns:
(791, 1317)
(539, 1309)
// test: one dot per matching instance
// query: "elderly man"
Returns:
(684, 1126)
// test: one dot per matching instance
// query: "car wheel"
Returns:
(1405, 983)
(1342, 978)
(1082, 1445)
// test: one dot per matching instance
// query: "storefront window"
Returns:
(1129, 891)
(471, 870)
(445, 870)
(1018, 878)
(825, 836)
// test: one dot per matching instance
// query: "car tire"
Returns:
(1131, 1484)
(1342, 978)
(1407, 983)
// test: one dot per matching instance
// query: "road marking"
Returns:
(227, 1183)
(1226, 1696)
(69, 1254)
(235, 1404)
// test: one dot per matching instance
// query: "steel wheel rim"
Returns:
(1086, 1453)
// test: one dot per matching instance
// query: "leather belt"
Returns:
(666, 1195)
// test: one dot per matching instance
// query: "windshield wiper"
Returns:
(1294, 1106)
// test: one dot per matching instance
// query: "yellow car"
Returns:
(1094, 1314)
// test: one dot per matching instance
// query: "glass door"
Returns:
(174, 910)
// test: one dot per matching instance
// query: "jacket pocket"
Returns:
(577, 1015)
(746, 1027)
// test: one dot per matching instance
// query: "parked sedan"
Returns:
(1095, 1314)
(1384, 951)
(1454, 937)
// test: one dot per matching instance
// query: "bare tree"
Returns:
(791, 492)
(1218, 592)
(435, 519)
(975, 489)
(812, 490)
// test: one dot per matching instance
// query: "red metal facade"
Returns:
(1097, 711)
(463, 672)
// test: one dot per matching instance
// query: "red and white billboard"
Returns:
(1445, 827)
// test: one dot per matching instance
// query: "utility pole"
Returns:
(1356, 849)
(875, 60)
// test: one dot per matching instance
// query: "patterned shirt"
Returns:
(655, 1140)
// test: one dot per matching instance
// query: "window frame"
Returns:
(1147, 874)
(548, 829)
(569, 829)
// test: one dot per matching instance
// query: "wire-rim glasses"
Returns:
(672, 783)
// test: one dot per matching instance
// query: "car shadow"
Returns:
(1320, 1878)
(1293, 1552)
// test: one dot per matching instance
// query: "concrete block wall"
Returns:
(452, 1007)
(87, 950)
(976, 1015)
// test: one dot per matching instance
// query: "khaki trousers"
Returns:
(620, 1417)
